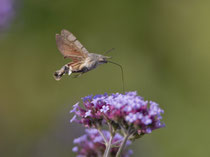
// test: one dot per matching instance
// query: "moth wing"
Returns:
(70, 47)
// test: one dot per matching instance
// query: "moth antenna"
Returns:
(109, 50)
(121, 72)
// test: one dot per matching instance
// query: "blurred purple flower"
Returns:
(104, 109)
(127, 112)
(6, 12)
(92, 144)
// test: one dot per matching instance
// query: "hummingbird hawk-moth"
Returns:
(82, 60)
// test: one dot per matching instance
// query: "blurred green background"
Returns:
(164, 47)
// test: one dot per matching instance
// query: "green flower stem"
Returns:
(108, 147)
(101, 133)
(122, 146)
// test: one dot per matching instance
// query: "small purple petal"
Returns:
(87, 98)
(128, 108)
(73, 119)
(104, 109)
(139, 115)
(146, 120)
(131, 117)
(134, 93)
(75, 107)
(80, 139)
(88, 113)
(148, 130)
(91, 131)
(75, 149)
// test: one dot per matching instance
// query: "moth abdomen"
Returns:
(83, 70)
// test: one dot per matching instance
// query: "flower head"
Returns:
(127, 112)
(92, 144)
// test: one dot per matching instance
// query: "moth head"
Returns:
(103, 59)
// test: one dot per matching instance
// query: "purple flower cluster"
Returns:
(127, 112)
(6, 12)
(92, 144)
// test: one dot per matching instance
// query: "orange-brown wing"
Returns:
(70, 47)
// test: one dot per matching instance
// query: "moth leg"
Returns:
(68, 70)
(81, 72)
(78, 75)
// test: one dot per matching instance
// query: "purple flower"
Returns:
(104, 109)
(80, 139)
(75, 149)
(88, 113)
(73, 119)
(139, 115)
(126, 112)
(6, 12)
(146, 120)
(92, 144)
(148, 130)
(75, 107)
(87, 98)
(131, 117)
(154, 109)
